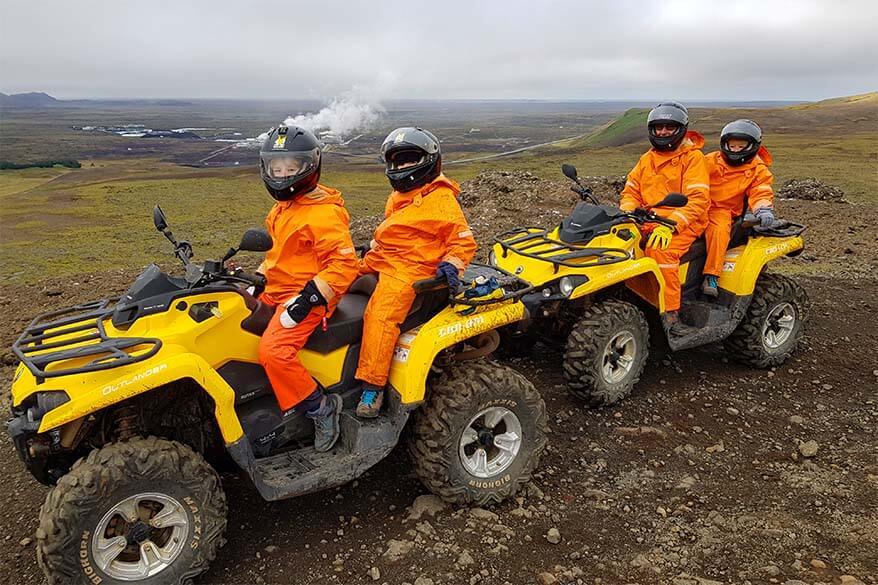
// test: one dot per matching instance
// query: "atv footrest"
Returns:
(710, 322)
(362, 444)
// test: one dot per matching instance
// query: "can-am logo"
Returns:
(134, 379)
(460, 327)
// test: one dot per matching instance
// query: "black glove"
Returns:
(299, 307)
(449, 271)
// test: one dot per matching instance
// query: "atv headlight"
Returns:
(47, 401)
(569, 283)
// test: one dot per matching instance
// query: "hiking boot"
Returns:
(709, 287)
(370, 402)
(326, 422)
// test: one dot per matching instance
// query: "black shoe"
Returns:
(326, 422)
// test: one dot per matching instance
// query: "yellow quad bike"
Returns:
(128, 405)
(585, 270)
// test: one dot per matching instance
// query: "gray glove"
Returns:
(765, 215)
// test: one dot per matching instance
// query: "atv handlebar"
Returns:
(256, 279)
(641, 215)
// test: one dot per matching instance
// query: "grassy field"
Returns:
(65, 223)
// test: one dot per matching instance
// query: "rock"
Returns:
(553, 536)
(810, 189)
(484, 515)
(640, 431)
(374, 573)
(686, 579)
(849, 580)
(687, 483)
(733, 411)
(794, 582)
(718, 448)
(808, 448)
(396, 549)
(271, 549)
(818, 564)
(769, 571)
(465, 559)
(426, 504)
(25, 541)
(423, 581)
(641, 562)
(796, 419)
(546, 579)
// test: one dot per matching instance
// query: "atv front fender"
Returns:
(744, 264)
(415, 350)
(603, 277)
(121, 384)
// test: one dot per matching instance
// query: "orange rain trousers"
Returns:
(669, 263)
(387, 309)
(730, 187)
(279, 355)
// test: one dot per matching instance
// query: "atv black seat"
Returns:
(345, 327)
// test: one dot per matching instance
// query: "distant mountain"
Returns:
(32, 99)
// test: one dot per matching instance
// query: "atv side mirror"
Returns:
(569, 171)
(673, 200)
(158, 218)
(256, 240)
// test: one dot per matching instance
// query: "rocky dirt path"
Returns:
(709, 472)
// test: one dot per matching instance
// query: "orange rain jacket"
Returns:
(312, 241)
(730, 185)
(421, 228)
(658, 173)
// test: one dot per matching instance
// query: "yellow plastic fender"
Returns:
(743, 264)
(416, 349)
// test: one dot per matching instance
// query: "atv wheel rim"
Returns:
(490, 442)
(140, 536)
(618, 358)
(779, 326)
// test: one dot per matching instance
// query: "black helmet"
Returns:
(745, 130)
(668, 113)
(412, 158)
(289, 162)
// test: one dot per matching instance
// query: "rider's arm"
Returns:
(335, 252)
(696, 187)
(760, 193)
(632, 197)
(460, 246)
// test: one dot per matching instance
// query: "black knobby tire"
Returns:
(460, 393)
(107, 476)
(747, 343)
(587, 343)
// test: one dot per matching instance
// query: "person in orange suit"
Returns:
(674, 164)
(424, 234)
(739, 178)
(310, 265)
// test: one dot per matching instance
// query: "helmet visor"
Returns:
(279, 166)
(398, 160)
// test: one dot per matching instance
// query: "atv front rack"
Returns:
(78, 333)
(534, 243)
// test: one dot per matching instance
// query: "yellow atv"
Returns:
(585, 270)
(127, 405)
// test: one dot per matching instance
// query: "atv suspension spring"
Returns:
(126, 423)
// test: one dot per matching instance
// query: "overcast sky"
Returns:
(621, 49)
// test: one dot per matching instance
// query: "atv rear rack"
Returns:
(75, 333)
(524, 240)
